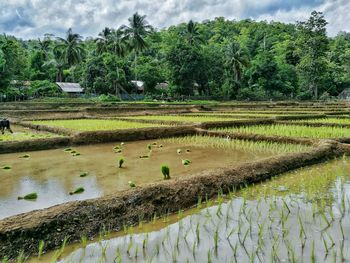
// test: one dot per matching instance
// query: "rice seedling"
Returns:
(31, 196)
(84, 241)
(84, 174)
(131, 184)
(291, 131)
(68, 150)
(326, 121)
(165, 171)
(6, 167)
(186, 162)
(41, 248)
(26, 135)
(79, 190)
(121, 161)
(94, 124)
(221, 143)
(182, 118)
(179, 151)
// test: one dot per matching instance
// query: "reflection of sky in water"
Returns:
(50, 192)
(53, 174)
(225, 221)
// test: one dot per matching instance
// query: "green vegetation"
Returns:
(31, 196)
(25, 156)
(131, 184)
(94, 124)
(121, 162)
(328, 120)
(79, 190)
(6, 167)
(186, 162)
(84, 174)
(165, 171)
(217, 142)
(291, 131)
(225, 59)
(181, 118)
(291, 217)
(22, 136)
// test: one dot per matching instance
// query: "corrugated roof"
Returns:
(70, 87)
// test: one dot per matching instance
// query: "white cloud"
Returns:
(33, 18)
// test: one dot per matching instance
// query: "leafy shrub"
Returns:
(108, 98)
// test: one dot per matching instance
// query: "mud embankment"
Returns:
(89, 217)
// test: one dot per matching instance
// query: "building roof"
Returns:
(70, 87)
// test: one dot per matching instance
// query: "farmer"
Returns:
(5, 124)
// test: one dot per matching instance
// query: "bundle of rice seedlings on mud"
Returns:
(165, 171)
(79, 190)
(31, 196)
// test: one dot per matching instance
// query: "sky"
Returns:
(33, 18)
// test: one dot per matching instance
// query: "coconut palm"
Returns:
(59, 62)
(118, 46)
(71, 47)
(43, 47)
(236, 60)
(135, 34)
(192, 34)
(102, 41)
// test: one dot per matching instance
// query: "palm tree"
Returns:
(135, 33)
(59, 62)
(118, 46)
(71, 47)
(43, 47)
(192, 34)
(103, 40)
(236, 60)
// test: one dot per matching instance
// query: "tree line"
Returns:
(222, 58)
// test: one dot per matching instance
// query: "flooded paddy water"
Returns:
(301, 216)
(53, 174)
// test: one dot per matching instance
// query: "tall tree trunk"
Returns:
(135, 65)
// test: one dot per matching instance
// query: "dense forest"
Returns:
(219, 58)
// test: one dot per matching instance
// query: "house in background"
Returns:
(72, 89)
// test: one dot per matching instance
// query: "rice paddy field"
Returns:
(53, 174)
(21, 134)
(182, 118)
(292, 218)
(329, 121)
(287, 202)
(292, 131)
(94, 124)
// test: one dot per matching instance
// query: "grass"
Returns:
(94, 124)
(291, 131)
(216, 142)
(182, 118)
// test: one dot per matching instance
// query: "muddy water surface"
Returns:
(52, 174)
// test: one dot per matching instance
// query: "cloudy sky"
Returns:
(33, 18)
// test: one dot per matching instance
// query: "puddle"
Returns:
(301, 216)
(52, 174)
